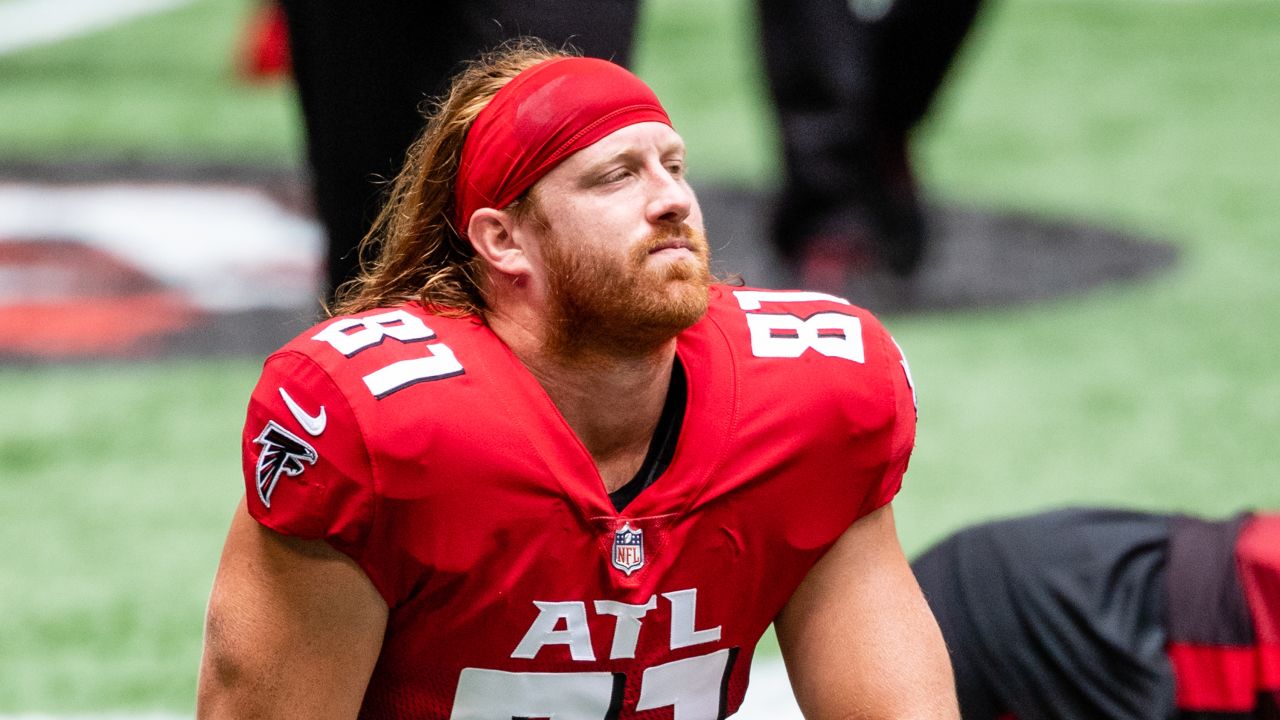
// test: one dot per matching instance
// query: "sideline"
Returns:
(29, 23)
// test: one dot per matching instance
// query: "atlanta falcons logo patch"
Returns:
(282, 452)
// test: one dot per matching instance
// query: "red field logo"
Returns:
(117, 270)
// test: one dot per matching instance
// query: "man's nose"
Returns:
(671, 200)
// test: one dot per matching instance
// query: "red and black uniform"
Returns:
(1092, 614)
(422, 448)
(1224, 617)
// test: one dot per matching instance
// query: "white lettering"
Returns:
(352, 335)
(576, 634)
(488, 694)
(907, 370)
(439, 363)
(626, 630)
(787, 336)
(396, 324)
(750, 300)
(566, 623)
(684, 606)
(692, 686)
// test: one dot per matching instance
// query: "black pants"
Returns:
(846, 88)
(364, 68)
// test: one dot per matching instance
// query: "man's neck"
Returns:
(612, 403)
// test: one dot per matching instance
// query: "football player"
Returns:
(539, 465)
(1102, 614)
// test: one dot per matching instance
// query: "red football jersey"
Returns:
(422, 448)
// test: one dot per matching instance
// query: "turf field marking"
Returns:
(27, 23)
(225, 248)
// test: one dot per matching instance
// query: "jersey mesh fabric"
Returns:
(483, 523)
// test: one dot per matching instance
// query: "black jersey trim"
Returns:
(662, 448)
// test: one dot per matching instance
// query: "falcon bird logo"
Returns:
(282, 452)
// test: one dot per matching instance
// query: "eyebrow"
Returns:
(630, 153)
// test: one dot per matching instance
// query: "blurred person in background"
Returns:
(1101, 614)
(364, 69)
(850, 80)
(542, 466)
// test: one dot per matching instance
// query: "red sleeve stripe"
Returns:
(1258, 562)
(1214, 678)
(1269, 667)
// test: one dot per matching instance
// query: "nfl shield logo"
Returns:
(628, 549)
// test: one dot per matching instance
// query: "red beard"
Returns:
(624, 307)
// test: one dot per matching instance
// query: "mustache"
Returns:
(677, 236)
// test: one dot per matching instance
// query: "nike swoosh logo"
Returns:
(313, 424)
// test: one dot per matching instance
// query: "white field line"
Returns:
(226, 248)
(27, 23)
(768, 698)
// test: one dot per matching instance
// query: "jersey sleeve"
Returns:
(306, 467)
(902, 434)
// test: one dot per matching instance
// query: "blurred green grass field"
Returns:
(117, 479)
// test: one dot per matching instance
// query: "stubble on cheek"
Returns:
(626, 306)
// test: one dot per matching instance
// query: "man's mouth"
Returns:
(675, 243)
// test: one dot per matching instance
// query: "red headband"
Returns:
(545, 114)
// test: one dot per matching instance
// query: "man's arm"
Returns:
(294, 628)
(858, 638)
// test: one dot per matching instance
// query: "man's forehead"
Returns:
(545, 114)
(630, 139)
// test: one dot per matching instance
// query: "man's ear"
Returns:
(492, 234)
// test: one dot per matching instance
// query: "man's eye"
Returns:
(676, 169)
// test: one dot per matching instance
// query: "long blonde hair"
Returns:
(413, 251)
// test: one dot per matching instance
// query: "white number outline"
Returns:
(803, 333)
(439, 363)
(684, 685)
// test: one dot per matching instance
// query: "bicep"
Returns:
(858, 637)
(294, 628)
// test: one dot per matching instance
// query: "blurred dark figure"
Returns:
(1093, 614)
(363, 69)
(850, 79)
